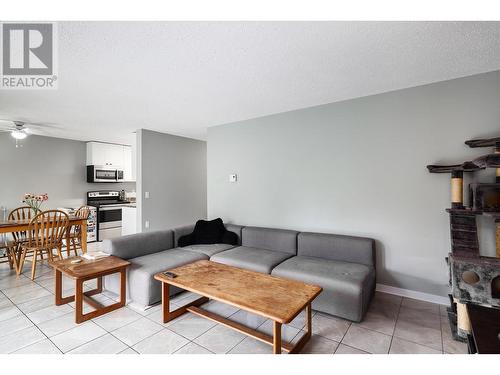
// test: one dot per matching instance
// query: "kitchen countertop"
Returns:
(130, 205)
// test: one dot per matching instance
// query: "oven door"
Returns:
(106, 234)
(109, 222)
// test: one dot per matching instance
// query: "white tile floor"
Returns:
(31, 323)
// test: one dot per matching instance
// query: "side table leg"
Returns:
(58, 279)
(276, 338)
(79, 301)
(123, 286)
(99, 285)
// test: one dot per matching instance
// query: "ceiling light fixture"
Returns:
(18, 134)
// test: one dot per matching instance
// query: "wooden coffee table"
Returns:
(276, 298)
(88, 270)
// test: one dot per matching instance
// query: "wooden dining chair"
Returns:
(75, 236)
(45, 234)
(6, 253)
(22, 213)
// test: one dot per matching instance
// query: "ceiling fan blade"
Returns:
(34, 124)
(44, 125)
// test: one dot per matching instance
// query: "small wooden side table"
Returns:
(88, 270)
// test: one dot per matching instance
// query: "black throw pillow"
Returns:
(208, 232)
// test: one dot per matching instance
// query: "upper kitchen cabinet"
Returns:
(128, 174)
(112, 155)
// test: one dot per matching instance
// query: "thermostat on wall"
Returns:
(233, 177)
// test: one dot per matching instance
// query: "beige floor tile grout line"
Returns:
(34, 325)
(395, 324)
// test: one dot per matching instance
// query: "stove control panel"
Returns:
(103, 194)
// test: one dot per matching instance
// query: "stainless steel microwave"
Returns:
(97, 173)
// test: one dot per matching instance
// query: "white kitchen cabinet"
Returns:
(129, 220)
(112, 155)
(115, 156)
(134, 161)
(127, 166)
(99, 153)
(96, 153)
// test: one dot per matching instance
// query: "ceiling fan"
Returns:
(19, 130)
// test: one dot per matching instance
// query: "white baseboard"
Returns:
(413, 294)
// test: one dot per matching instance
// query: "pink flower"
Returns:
(35, 201)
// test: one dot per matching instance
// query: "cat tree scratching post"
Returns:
(457, 189)
(474, 279)
(497, 220)
(460, 243)
(457, 202)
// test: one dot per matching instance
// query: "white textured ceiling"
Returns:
(182, 77)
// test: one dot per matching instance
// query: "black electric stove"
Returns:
(109, 212)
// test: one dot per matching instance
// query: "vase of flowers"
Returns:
(35, 201)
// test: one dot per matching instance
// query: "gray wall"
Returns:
(174, 171)
(358, 167)
(46, 165)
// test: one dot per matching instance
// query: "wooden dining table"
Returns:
(10, 226)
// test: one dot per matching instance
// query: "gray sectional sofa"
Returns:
(343, 265)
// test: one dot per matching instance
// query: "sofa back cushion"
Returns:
(270, 239)
(337, 247)
(136, 245)
(235, 229)
(182, 231)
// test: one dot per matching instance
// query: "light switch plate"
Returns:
(233, 177)
(146, 224)
(146, 194)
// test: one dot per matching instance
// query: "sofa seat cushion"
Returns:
(142, 288)
(259, 260)
(208, 250)
(347, 287)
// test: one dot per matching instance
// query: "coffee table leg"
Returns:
(79, 301)
(276, 338)
(307, 335)
(309, 319)
(165, 298)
